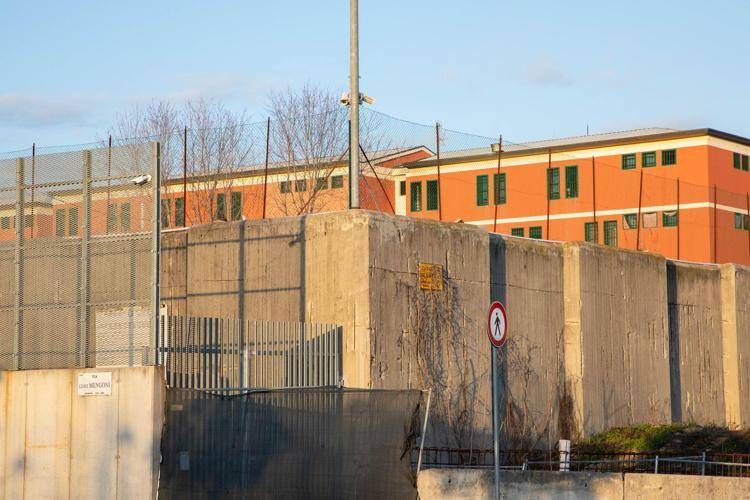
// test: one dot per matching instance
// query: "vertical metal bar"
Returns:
(593, 191)
(184, 179)
(638, 222)
(747, 200)
(156, 236)
(83, 330)
(254, 358)
(109, 181)
(549, 172)
(495, 419)
(703, 463)
(353, 104)
(678, 218)
(265, 168)
(437, 163)
(202, 334)
(494, 188)
(716, 229)
(424, 431)
(20, 204)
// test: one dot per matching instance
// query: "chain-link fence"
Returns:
(77, 256)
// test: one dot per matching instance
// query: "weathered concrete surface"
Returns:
(527, 276)
(445, 484)
(735, 316)
(695, 325)
(56, 444)
(616, 337)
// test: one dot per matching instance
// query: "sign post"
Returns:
(497, 331)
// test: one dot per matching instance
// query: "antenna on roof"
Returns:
(587, 129)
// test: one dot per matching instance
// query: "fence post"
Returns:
(656, 464)
(703, 464)
(83, 330)
(564, 447)
(155, 237)
(20, 202)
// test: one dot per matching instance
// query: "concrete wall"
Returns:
(696, 367)
(590, 326)
(444, 484)
(56, 444)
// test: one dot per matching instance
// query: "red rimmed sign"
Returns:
(497, 324)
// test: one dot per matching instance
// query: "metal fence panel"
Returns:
(225, 354)
(77, 257)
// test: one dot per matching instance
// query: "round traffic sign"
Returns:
(497, 324)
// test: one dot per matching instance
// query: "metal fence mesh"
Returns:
(76, 266)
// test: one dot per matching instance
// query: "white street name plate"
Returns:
(95, 384)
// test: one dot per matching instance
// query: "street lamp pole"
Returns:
(353, 104)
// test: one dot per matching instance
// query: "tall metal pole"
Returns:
(437, 146)
(20, 202)
(678, 218)
(638, 222)
(495, 417)
(265, 168)
(494, 187)
(155, 238)
(716, 227)
(84, 293)
(184, 178)
(549, 186)
(353, 104)
(747, 199)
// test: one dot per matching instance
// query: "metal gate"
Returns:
(226, 354)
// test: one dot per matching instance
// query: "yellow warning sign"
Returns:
(430, 277)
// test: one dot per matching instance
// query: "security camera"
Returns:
(141, 180)
(366, 99)
(344, 100)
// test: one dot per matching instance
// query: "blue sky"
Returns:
(528, 70)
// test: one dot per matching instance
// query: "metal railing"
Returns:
(707, 463)
(230, 354)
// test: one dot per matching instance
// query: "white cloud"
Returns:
(22, 110)
(546, 72)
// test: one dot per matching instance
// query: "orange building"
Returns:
(683, 194)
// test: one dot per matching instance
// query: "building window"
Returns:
(402, 188)
(73, 221)
(741, 221)
(736, 159)
(236, 205)
(517, 231)
(28, 220)
(179, 213)
(745, 163)
(166, 205)
(111, 214)
(649, 220)
(553, 183)
(628, 162)
(300, 185)
(432, 195)
(610, 232)
(591, 232)
(630, 221)
(59, 222)
(337, 181)
(669, 219)
(416, 196)
(498, 181)
(125, 215)
(482, 190)
(321, 183)
(221, 207)
(669, 157)
(285, 187)
(571, 182)
(648, 159)
(535, 232)
(5, 221)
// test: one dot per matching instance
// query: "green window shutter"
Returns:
(111, 213)
(630, 221)
(165, 210)
(337, 181)
(669, 219)
(498, 180)
(745, 163)
(300, 185)
(221, 207)
(73, 221)
(535, 232)
(179, 212)
(610, 233)
(669, 157)
(628, 162)
(553, 183)
(648, 159)
(738, 219)
(591, 232)
(236, 205)
(5, 222)
(402, 188)
(736, 158)
(416, 196)
(571, 181)
(517, 231)
(482, 190)
(59, 222)
(432, 195)
(285, 187)
(125, 216)
(321, 183)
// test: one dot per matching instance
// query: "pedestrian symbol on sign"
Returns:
(497, 324)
